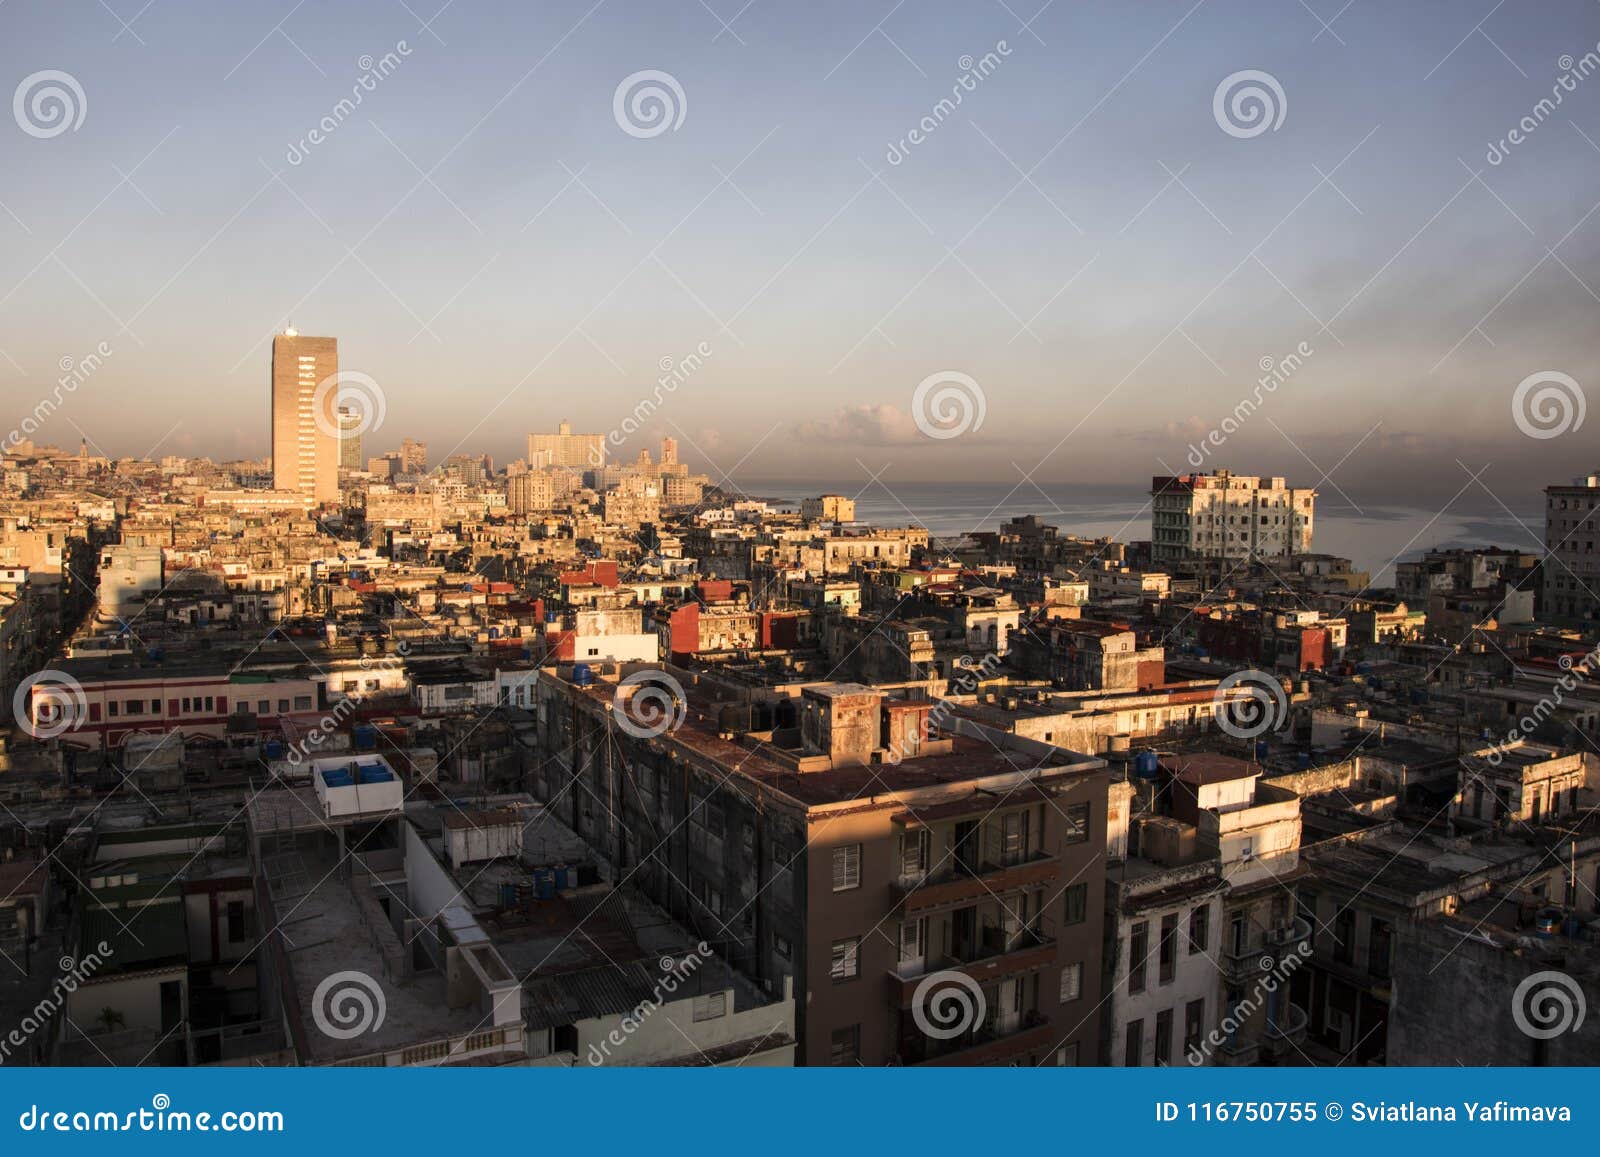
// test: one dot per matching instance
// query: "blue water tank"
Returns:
(1303, 760)
(561, 877)
(1145, 764)
(1201, 653)
(544, 881)
(1262, 748)
(275, 749)
(552, 617)
(365, 736)
(582, 675)
(494, 632)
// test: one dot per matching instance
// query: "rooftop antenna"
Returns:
(290, 331)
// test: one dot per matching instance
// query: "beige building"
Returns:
(1226, 515)
(829, 508)
(564, 448)
(305, 451)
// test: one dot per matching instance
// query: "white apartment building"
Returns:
(1572, 566)
(1225, 515)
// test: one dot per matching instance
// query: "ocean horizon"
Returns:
(1374, 535)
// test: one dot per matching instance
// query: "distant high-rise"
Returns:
(564, 448)
(669, 451)
(413, 457)
(349, 439)
(305, 445)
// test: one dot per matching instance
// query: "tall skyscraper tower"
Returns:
(350, 439)
(305, 444)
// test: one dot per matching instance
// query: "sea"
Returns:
(1374, 534)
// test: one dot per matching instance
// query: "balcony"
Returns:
(989, 1044)
(962, 883)
(1287, 1033)
(1263, 950)
(990, 961)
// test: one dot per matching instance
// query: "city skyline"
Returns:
(1073, 256)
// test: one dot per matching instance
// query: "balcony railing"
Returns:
(1264, 949)
(957, 882)
(1287, 1029)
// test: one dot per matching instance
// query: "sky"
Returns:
(1094, 251)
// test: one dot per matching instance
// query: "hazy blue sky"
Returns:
(1112, 307)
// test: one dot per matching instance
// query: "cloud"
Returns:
(882, 425)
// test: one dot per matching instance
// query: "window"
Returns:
(238, 922)
(264, 707)
(1077, 904)
(1013, 838)
(283, 707)
(845, 1046)
(711, 1007)
(1164, 1037)
(1379, 948)
(133, 706)
(1138, 952)
(1133, 1045)
(1199, 929)
(1067, 1055)
(301, 703)
(846, 867)
(914, 853)
(1071, 982)
(1077, 816)
(846, 963)
(781, 947)
(1344, 937)
(1194, 1019)
(1167, 949)
(112, 704)
(913, 937)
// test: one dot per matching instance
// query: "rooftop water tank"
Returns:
(582, 675)
(1146, 764)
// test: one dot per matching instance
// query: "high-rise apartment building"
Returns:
(564, 448)
(413, 457)
(1226, 515)
(1571, 564)
(305, 444)
(349, 439)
